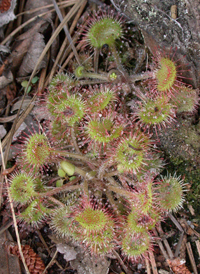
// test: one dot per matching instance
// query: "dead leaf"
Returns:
(22, 45)
(11, 91)
(32, 56)
(68, 251)
(31, 5)
(8, 263)
(6, 80)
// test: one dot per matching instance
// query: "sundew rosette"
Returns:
(36, 152)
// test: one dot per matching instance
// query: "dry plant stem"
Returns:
(71, 55)
(147, 265)
(55, 201)
(66, 32)
(41, 86)
(161, 245)
(74, 140)
(120, 191)
(198, 246)
(13, 212)
(112, 173)
(112, 181)
(179, 245)
(75, 156)
(122, 263)
(5, 227)
(64, 44)
(21, 8)
(175, 222)
(103, 167)
(142, 76)
(153, 262)
(112, 202)
(96, 59)
(191, 256)
(51, 262)
(85, 188)
(58, 190)
(167, 246)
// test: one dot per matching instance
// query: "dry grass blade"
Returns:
(62, 48)
(55, 34)
(66, 32)
(191, 256)
(12, 34)
(13, 212)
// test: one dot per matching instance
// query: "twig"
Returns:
(13, 213)
(122, 263)
(159, 228)
(51, 262)
(198, 246)
(191, 256)
(147, 266)
(153, 262)
(175, 222)
(179, 245)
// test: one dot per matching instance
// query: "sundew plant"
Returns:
(98, 149)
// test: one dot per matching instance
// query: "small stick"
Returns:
(198, 246)
(159, 228)
(191, 256)
(153, 262)
(122, 263)
(147, 265)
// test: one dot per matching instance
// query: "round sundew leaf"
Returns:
(104, 31)
(103, 131)
(100, 100)
(171, 192)
(92, 220)
(155, 112)
(130, 154)
(34, 213)
(37, 150)
(100, 242)
(62, 222)
(70, 109)
(186, 99)
(166, 75)
(135, 244)
(22, 188)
